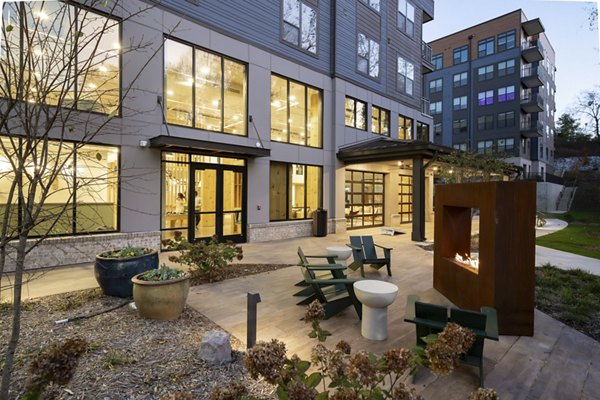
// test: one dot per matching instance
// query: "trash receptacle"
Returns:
(319, 226)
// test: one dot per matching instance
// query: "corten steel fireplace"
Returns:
(505, 278)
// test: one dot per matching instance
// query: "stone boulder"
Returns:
(215, 347)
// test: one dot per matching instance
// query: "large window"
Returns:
(204, 90)
(459, 126)
(435, 86)
(374, 4)
(295, 191)
(356, 113)
(506, 119)
(368, 56)
(406, 76)
(485, 122)
(422, 131)
(485, 73)
(435, 108)
(506, 40)
(437, 61)
(460, 79)
(506, 145)
(459, 103)
(82, 185)
(406, 17)
(485, 146)
(296, 112)
(405, 198)
(364, 199)
(405, 125)
(300, 25)
(485, 98)
(461, 55)
(506, 94)
(73, 56)
(506, 67)
(380, 121)
(485, 47)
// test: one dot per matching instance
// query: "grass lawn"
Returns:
(571, 297)
(582, 236)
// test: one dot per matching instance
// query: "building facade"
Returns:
(493, 90)
(236, 123)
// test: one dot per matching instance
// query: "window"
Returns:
(437, 61)
(405, 198)
(82, 183)
(485, 47)
(83, 72)
(506, 94)
(356, 113)
(460, 146)
(406, 17)
(485, 122)
(380, 121)
(364, 193)
(437, 128)
(485, 98)
(296, 112)
(405, 128)
(435, 108)
(374, 4)
(435, 86)
(506, 40)
(485, 73)
(506, 145)
(422, 131)
(459, 103)
(460, 79)
(461, 55)
(204, 90)
(459, 126)
(406, 76)
(295, 191)
(506, 119)
(485, 146)
(506, 67)
(368, 56)
(300, 25)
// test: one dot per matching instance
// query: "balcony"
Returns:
(532, 129)
(532, 102)
(426, 57)
(531, 77)
(425, 106)
(532, 51)
(533, 27)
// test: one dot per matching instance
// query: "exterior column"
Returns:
(418, 214)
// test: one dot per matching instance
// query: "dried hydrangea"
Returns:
(344, 394)
(336, 366)
(343, 346)
(402, 392)
(297, 390)
(457, 337)
(362, 369)
(266, 359)
(396, 360)
(484, 394)
(233, 391)
(443, 354)
(314, 312)
(319, 354)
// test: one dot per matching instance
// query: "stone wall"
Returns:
(70, 250)
(289, 229)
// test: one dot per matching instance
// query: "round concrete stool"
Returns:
(342, 253)
(375, 296)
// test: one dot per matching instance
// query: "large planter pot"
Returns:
(114, 274)
(160, 299)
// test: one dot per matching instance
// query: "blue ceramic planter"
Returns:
(114, 274)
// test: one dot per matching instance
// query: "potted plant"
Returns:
(114, 269)
(161, 293)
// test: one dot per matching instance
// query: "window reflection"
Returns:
(300, 25)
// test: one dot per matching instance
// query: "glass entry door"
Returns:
(217, 201)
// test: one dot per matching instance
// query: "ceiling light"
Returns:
(215, 102)
(92, 86)
(116, 45)
(204, 70)
(276, 103)
(41, 15)
(292, 98)
(170, 93)
(103, 68)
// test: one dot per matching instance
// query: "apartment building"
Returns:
(248, 117)
(492, 91)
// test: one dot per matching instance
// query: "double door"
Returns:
(216, 202)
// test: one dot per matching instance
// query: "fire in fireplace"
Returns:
(467, 260)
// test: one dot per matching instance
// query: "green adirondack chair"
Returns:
(308, 293)
(364, 252)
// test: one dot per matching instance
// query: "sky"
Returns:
(567, 27)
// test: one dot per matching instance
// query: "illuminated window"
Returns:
(485, 98)
(217, 85)
(506, 94)
(300, 25)
(356, 113)
(295, 191)
(364, 199)
(296, 112)
(380, 121)
(405, 128)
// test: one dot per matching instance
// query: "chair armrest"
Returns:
(327, 256)
(333, 281)
(354, 247)
(324, 267)
(409, 313)
(427, 322)
(382, 247)
(491, 323)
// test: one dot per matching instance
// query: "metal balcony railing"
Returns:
(426, 52)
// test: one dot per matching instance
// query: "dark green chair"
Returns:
(334, 294)
(308, 292)
(364, 252)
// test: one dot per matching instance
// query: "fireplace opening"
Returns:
(462, 247)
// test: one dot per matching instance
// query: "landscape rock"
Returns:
(215, 347)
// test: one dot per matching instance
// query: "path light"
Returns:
(253, 300)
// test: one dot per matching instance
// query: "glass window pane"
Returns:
(277, 191)
(374, 59)
(314, 118)
(174, 200)
(297, 120)
(297, 191)
(361, 115)
(178, 81)
(279, 101)
(290, 33)
(291, 12)
(309, 29)
(235, 97)
(350, 112)
(208, 91)
(313, 189)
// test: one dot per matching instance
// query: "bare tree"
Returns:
(60, 91)
(588, 106)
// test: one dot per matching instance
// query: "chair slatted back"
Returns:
(432, 312)
(473, 320)
(303, 259)
(356, 242)
(369, 247)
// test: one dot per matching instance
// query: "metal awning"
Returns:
(207, 147)
(388, 149)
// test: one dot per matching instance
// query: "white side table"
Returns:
(375, 296)
(342, 253)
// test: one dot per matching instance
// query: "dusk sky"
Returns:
(567, 28)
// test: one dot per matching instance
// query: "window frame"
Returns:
(298, 46)
(462, 103)
(381, 112)
(504, 148)
(487, 124)
(370, 41)
(404, 78)
(438, 88)
(488, 98)
(355, 100)
(506, 70)
(434, 61)
(460, 80)
(487, 73)
(403, 127)
(504, 36)
(505, 120)
(487, 148)
(485, 43)
(404, 15)
(460, 50)
(459, 126)
(441, 108)
(289, 166)
(503, 98)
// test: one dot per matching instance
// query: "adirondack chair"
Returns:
(364, 252)
(431, 318)
(334, 294)
(308, 293)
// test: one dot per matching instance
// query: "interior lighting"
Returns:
(92, 85)
(170, 92)
(276, 103)
(116, 45)
(292, 98)
(204, 70)
(41, 15)
(215, 102)
(103, 68)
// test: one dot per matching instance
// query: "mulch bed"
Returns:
(128, 357)
(238, 270)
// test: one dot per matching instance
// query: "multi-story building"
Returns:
(248, 117)
(492, 91)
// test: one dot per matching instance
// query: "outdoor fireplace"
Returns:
(496, 269)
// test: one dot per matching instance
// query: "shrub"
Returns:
(207, 259)
(162, 273)
(126, 252)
